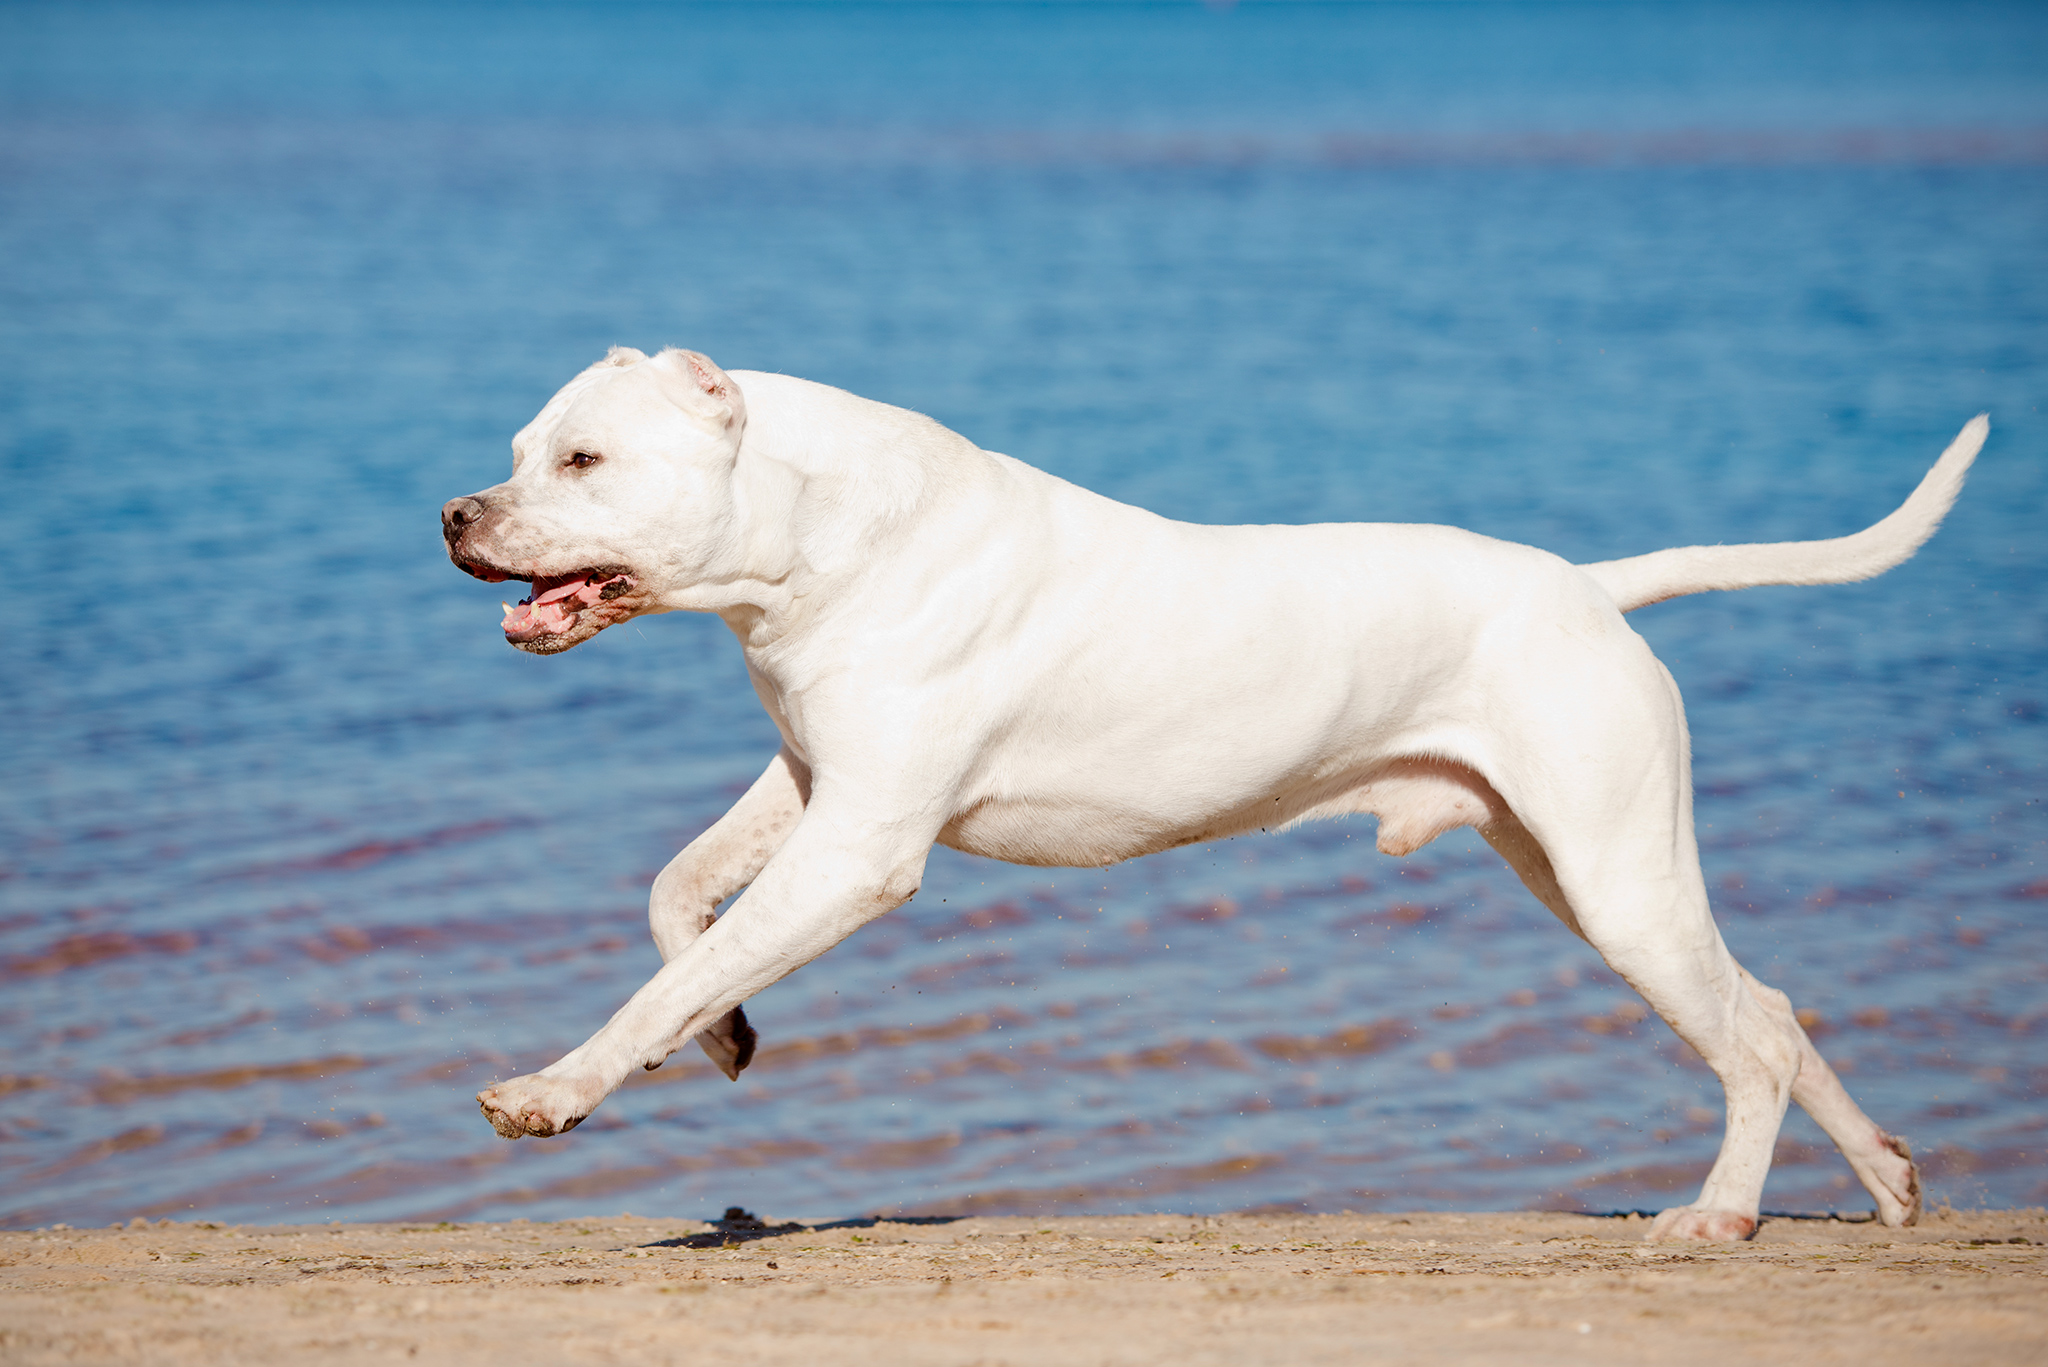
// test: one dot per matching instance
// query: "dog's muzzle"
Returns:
(461, 520)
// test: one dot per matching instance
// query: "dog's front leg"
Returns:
(832, 876)
(713, 867)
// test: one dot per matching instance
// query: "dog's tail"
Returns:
(1644, 579)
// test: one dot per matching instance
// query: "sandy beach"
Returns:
(1472, 1288)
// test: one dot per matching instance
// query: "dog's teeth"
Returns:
(507, 607)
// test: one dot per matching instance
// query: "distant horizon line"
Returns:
(888, 143)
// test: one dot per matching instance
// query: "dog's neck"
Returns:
(826, 484)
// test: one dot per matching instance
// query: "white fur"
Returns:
(958, 648)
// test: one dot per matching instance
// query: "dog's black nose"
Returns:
(458, 513)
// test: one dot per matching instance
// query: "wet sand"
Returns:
(1241, 1289)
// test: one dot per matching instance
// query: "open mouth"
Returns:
(557, 613)
(557, 601)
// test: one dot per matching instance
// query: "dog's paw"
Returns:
(729, 1042)
(536, 1105)
(1688, 1224)
(1898, 1198)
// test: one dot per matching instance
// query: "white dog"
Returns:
(959, 648)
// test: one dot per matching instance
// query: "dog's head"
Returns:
(621, 492)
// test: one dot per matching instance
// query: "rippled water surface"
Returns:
(298, 854)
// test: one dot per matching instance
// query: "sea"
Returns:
(296, 854)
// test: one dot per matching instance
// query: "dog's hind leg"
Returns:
(1651, 925)
(1882, 1162)
(1599, 785)
(714, 866)
(1753, 1078)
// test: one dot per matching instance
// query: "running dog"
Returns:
(958, 648)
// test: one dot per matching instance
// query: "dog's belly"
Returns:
(1063, 835)
(1416, 800)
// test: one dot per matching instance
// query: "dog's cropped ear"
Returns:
(696, 384)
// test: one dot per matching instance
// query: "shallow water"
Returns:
(299, 854)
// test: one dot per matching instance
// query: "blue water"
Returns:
(298, 854)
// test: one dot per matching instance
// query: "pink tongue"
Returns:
(583, 590)
(554, 611)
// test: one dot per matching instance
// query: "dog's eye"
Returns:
(583, 460)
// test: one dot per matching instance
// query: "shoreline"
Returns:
(1516, 1287)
